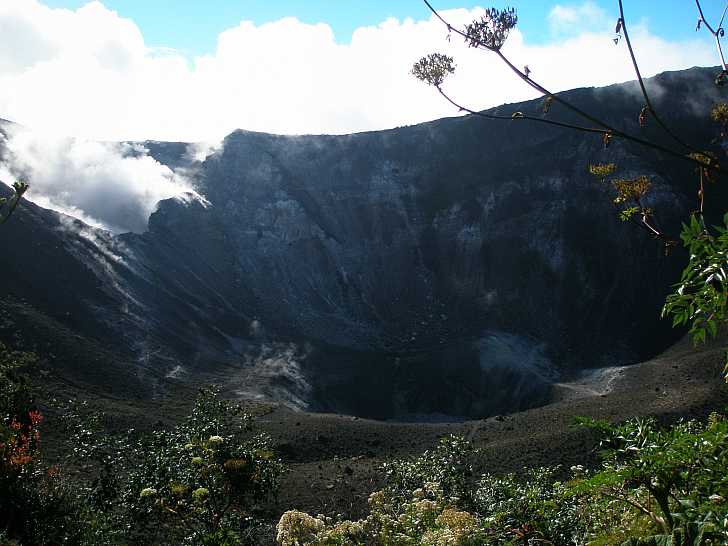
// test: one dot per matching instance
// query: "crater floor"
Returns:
(333, 459)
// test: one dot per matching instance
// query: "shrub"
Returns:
(656, 487)
(674, 477)
(196, 483)
(699, 300)
(36, 505)
(449, 464)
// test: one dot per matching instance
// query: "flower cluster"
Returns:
(298, 528)
(433, 69)
(428, 517)
(147, 492)
(492, 29)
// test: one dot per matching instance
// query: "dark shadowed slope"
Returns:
(459, 267)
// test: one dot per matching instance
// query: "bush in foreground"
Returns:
(36, 505)
(197, 483)
(656, 487)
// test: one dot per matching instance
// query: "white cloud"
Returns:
(577, 18)
(89, 73)
(114, 186)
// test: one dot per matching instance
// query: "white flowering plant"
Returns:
(449, 463)
(655, 486)
(426, 517)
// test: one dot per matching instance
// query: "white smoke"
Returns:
(115, 186)
(199, 151)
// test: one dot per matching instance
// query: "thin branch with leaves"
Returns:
(8, 205)
(622, 30)
(718, 32)
(490, 33)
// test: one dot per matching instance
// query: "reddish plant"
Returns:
(21, 447)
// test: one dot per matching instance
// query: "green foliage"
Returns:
(415, 508)
(676, 477)
(8, 206)
(449, 465)
(700, 297)
(196, 483)
(16, 396)
(36, 505)
(539, 506)
(629, 195)
(656, 487)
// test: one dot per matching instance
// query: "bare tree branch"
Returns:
(717, 33)
(520, 115)
(607, 128)
(648, 102)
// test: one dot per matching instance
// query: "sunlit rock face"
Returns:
(454, 268)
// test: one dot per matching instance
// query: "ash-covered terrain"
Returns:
(454, 269)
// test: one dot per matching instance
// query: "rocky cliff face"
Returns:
(456, 267)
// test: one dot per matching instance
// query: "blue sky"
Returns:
(189, 70)
(192, 26)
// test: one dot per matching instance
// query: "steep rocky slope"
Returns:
(454, 268)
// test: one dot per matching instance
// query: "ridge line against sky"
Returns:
(106, 71)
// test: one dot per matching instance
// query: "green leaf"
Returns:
(655, 540)
(713, 327)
